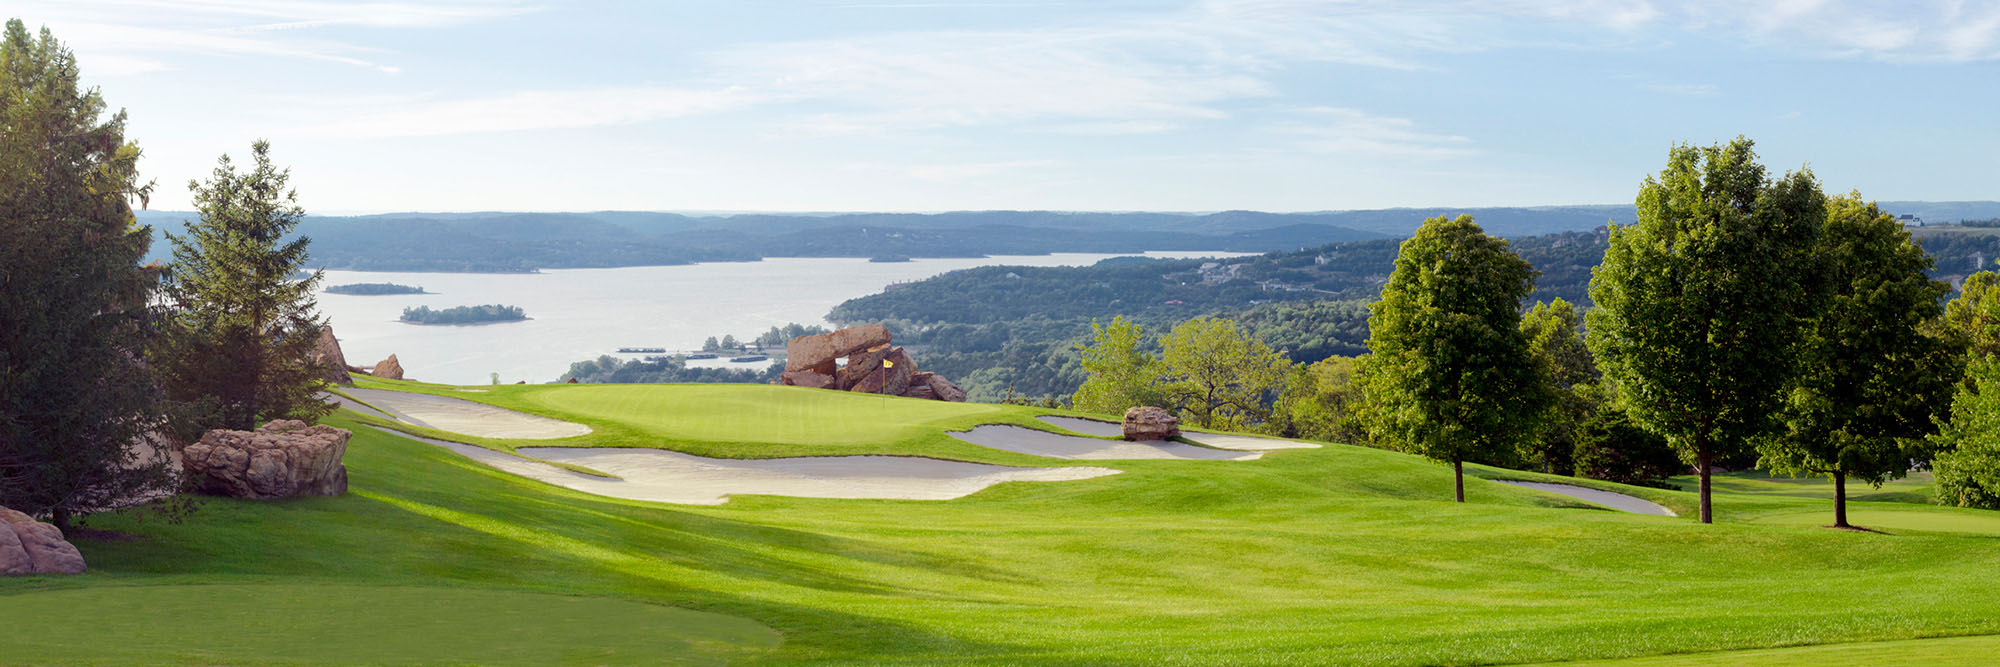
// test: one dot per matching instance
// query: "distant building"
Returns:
(1910, 220)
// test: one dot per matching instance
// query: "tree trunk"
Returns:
(1702, 458)
(1458, 471)
(59, 517)
(1840, 500)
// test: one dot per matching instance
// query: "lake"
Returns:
(578, 314)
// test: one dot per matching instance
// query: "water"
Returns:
(578, 314)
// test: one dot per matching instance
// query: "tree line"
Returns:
(464, 314)
(1743, 318)
(107, 366)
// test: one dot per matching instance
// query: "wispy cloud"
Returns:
(1337, 130)
(527, 110)
(140, 36)
(1683, 89)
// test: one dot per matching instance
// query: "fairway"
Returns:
(308, 623)
(1338, 554)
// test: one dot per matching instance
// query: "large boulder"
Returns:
(28, 546)
(1151, 423)
(388, 368)
(327, 353)
(944, 390)
(818, 350)
(861, 367)
(807, 378)
(283, 459)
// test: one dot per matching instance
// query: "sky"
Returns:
(1104, 105)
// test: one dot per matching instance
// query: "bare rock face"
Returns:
(28, 547)
(808, 352)
(327, 353)
(944, 390)
(874, 366)
(283, 459)
(389, 368)
(1151, 423)
(807, 378)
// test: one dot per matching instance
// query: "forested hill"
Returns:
(1002, 327)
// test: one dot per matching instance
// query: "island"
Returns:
(487, 314)
(888, 259)
(375, 289)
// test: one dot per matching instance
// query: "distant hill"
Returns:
(499, 241)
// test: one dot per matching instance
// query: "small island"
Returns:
(886, 259)
(487, 314)
(375, 289)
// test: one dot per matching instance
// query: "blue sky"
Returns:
(925, 105)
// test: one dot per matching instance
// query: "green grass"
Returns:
(1334, 555)
(289, 622)
(1915, 488)
(1938, 651)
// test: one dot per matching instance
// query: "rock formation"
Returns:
(388, 368)
(1150, 423)
(28, 546)
(874, 365)
(283, 459)
(327, 352)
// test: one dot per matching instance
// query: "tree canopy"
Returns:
(1701, 302)
(1454, 379)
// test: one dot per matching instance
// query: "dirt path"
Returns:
(1244, 443)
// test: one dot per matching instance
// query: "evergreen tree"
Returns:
(1871, 382)
(1452, 375)
(240, 343)
(75, 398)
(1700, 304)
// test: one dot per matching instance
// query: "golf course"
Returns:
(1334, 554)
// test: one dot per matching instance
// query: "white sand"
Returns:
(1613, 500)
(672, 477)
(1247, 443)
(354, 405)
(1056, 445)
(462, 416)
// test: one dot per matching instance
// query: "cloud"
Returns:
(1683, 89)
(526, 111)
(1338, 130)
(137, 36)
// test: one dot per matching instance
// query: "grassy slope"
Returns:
(1339, 554)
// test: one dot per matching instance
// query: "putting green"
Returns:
(752, 413)
(295, 623)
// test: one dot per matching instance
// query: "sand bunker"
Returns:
(1613, 500)
(672, 477)
(1056, 445)
(354, 405)
(462, 416)
(1248, 443)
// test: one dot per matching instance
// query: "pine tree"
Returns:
(240, 345)
(76, 398)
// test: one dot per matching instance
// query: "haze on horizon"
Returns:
(856, 105)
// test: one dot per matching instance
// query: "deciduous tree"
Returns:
(1453, 376)
(1701, 302)
(75, 396)
(1555, 342)
(1122, 373)
(241, 339)
(1871, 382)
(1217, 376)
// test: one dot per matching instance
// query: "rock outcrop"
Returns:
(874, 365)
(283, 459)
(327, 353)
(28, 547)
(1150, 423)
(388, 368)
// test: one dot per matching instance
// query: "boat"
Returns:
(749, 358)
(640, 350)
(702, 355)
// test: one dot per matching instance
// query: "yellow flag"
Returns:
(888, 364)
